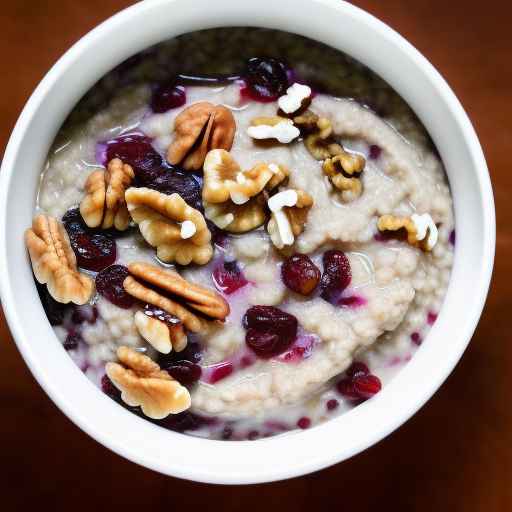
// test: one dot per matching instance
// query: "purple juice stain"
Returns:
(216, 372)
(301, 349)
(352, 301)
(375, 152)
(451, 239)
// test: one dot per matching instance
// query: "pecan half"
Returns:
(200, 128)
(170, 292)
(104, 203)
(143, 384)
(178, 231)
(54, 262)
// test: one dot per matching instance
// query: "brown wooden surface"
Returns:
(455, 454)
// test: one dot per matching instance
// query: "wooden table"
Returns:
(455, 454)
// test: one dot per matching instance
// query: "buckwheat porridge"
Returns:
(234, 242)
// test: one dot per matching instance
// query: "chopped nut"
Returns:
(297, 96)
(307, 121)
(345, 163)
(224, 180)
(145, 278)
(161, 219)
(237, 218)
(54, 262)
(142, 383)
(161, 335)
(289, 213)
(200, 128)
(233, 199)
(320, 143)
(104, 203)
(421, 229)
(276, 127)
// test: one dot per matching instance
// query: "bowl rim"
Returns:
(305, 451)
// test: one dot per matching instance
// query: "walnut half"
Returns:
(421, 229)
(178, 231)
(199, 129)
(143, 384)
(104, 203)
(54, 262)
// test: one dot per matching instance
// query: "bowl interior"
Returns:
(341, 26)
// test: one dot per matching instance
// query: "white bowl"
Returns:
(335, 23)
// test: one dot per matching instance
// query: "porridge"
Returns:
(239, 246)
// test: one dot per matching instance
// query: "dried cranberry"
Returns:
(332, 404)
(192, 352)
(184, 372)
(182, 422)
(54, 310)
(270, 331)
(135, 150)
(109, 284)
(367, 385)
(304, 422)
(166, 97)
(169, 179)
(336, 275)
(346, 388)
(375, 152)
(228, 277)
(266, 79)
(416, 338)
(357, 368)
(300, 274)
(94, 250)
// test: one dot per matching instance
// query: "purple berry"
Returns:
(366, 385)
(266, 79)
(336, 275)
(135, 150)
(304, 422)
(416, 338)
(85, 313)
(300, 274)
(109, 389)
(109, 284)
(228, 277)
(166, 97)
(270, 331)
(169, 179)
(184, 372)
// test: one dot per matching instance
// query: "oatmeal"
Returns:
(269, 238)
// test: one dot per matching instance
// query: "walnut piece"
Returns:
(297, 97)
(289, 214)
(233, 199)
(157, 286)
(104, 203)
(165, 223)
(200, 128)
(343, 171)
(54, 262)
(279, 128)
(161, 335)
(421, 229)
(320, 143)
(143, 384)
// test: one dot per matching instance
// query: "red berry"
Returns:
(166, 97)
(133, 149)
(266, 79)
(270, 331)
(367, 385)
(346, 388)
(332, 404)
(357, 368)
(336, 276)
(300, 274)
(304, 422)
(184, 372)
(109, 284)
